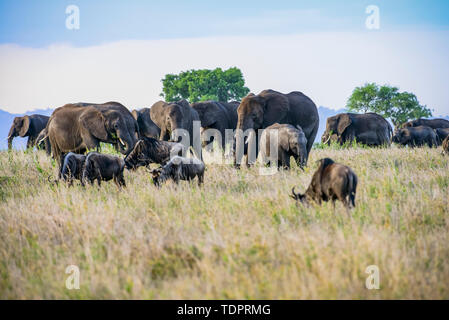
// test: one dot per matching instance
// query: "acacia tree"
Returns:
(387, 101)
(204, 84)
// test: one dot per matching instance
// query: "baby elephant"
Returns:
(71, 167)
(291, 142)
(104, 167)
(179, 168)
(331, 181)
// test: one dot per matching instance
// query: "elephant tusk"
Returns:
(121, 141)
(327, 140)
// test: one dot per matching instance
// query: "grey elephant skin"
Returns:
(291, 143)
(82, 126)
(269, 107)
(170, 116)
(27, 126)
(217, 115)
(432, 123)
(416, 136)
(369, 128)
(147, 128)
(103, 167)
(331, 181)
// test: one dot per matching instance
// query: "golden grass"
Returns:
(238, 237)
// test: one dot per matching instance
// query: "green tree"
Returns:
(201, 85)
(387, 101)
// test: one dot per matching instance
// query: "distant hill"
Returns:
(6, 119)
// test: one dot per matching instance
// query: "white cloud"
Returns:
(325, 66)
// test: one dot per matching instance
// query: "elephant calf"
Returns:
(416, 136)
(149, 150)
(291, 142)
(442, 133)
(103, 167)
(331, 181)
(71, 167)
(179, 168)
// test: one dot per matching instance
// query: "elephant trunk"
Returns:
(240, 143)
(12, 133)
(303, 157)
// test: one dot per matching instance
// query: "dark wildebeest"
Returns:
(442, 133)
(104, 167)
(416, 136)
(179, 168)
(331, 181)
(149, 150)
(71, 167)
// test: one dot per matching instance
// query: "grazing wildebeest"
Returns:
(149, 150)
(331, 181)
(416, 136)
(179, 168)
(71, 167)
(103, 167)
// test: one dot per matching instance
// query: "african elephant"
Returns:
(442, 133)
(217, 115)
(432, 123)
(291, 142)
(27, 126)
(172, 116)
(82, 126)
(147, 128)
(269, 107)
(416, 136)
(369, 128)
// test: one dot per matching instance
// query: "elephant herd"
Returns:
(165, 132)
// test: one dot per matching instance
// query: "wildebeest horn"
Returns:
(294, 195)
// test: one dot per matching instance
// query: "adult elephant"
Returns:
(217, 115)
(268, 107)
(172, 116)
(416, 136)
(27, 126)
(432, 123)
(82, 126)
(147, 128)
(369, 128)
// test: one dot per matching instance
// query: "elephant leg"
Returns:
(29, 143)
(90, 141)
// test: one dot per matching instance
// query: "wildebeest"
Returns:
(331, 181)
(71, 167)
(416, 136)
(179, 168)
(103, 167)
(150, 150)
(432, 123)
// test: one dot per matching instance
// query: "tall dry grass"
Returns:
(240, 236)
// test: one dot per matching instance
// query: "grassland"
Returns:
(239, 237)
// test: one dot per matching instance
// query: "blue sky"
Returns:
(124, 48)
(41, 23)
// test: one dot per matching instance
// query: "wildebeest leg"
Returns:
(200, 179)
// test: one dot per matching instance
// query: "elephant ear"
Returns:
(25, 126)
(343, 122)
(276, 107)
(284, 140)
(93, 121)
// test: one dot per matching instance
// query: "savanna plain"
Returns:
(240, 236)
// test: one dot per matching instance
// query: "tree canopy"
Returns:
(387, 101)
(204, 84)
